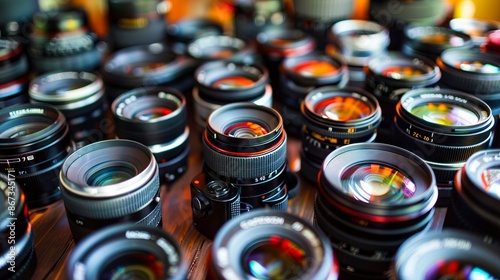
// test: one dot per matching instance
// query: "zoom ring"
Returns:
(153, 219)
(112, 207)
(321, 9)
(244, 167)
(469, 84)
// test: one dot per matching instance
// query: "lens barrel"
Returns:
(19, 261)
(477, 29)
(13, 73)
(80, 96)
(371, 198)
(445, 128)
(157, 118)
(127, 251)
(182, 33)
(266, 244)
(110, 182)
(475, 196)
(334, 117)
(34, 142)
(251, 17)
(222, 47)
(450, 254)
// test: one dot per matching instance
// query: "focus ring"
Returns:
(111, 207)
(473, 85)
(244, 167)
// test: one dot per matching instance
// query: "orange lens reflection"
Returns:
(315, 68)
(342, 108)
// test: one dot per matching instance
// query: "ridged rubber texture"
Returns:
(324, 9)
(41, 188)
(466, 83)
(112, 207)
(84, 61)
(244, 167)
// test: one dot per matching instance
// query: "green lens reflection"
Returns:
(445, 114)
(375, 183)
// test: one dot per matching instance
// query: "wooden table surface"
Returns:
(54, 242)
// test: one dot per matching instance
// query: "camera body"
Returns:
(213, 203)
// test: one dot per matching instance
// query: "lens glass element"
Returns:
(445, 114)
(23, 129)
(491, 181)
(457, 270)
(478, 67)
(342, 108)
(377, 183)
(143, 68)
(152, 113)
(134, 265)
(402, 72)
(315, 68)
(233, 82)
(276, 258)
(245, 130)
(110, 175)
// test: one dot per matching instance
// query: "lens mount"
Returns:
(456, 123)
(127, 250)
(388, 74)
(150, 115)
(470, 71)
(447, 254)
(416, 194)
(226, 81)
(247, 245)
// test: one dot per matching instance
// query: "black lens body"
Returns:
(267, 244)
(470, 71)
(13, 73)
(147, 65)
(110, 182)
(397, 14)
(80, 97)
(251, 17)
(447, 254)
(15, 16)
(157, 118)
(474, 199)
(62, 41)
(182, 33)
(299, 76)
(371, 198)
(389, 76)
(223, 81)
(127, 251)
(136, 22)
(17, 246)
(431, 41)
(316, 17)
(334, 117)
(444, 127)
(244, 147)
(276, 44)
(34, 142)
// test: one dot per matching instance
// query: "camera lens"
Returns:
(397, 14)
(470, 71)
(181, 33)
(335, 117)
(371, 198)
(148, 65)
(276, 44)
(449, 254)
(34, 142)
(13, 73)
(110, 182)
(477, 29)
(316, 17)
(218, 47)
(431, 41)
(475, 196)
(19, 261)
(61, 40)
(127, 251)
(156, 117)
(223, 82)
(266, 244)
(389, 76)
(136, 22)
(79, 96)
(445, 128)
(251, 17)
